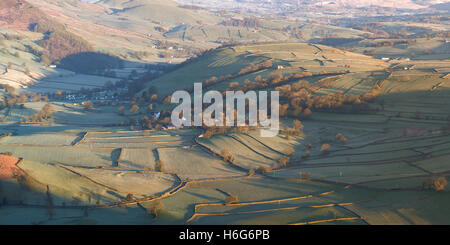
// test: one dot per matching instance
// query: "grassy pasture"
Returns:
(67, 155)
(87, 119)
(404, 183)
(354, 83)
(39, 139)
(341, 117)
(179, 207)
(365, 158)
(70, 83)
(144, 184)
(354, 174)
(137, 159)
(397, 145)
(17, 114)
(195, 163)
(135, 139)
(230, 60)
(437, 164)
(277, 143)
(66, 186)
(245, 157)
(405, 207)
(148, 140)
(257, 189)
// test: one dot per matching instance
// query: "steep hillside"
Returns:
(19, 14)
(233, 64)
(57, 43)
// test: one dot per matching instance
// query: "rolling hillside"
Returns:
(293, 57)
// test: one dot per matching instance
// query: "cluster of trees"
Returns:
(324, 148)
(341, 138)
(277, 78)
(435, 183)
(231, 199)
(296, 130)
(218, 130)
(44, 114)
(390, 43)
(67, 49)
(301, 101)
(14, 99)
(155, 123)
(281, 163)
(253, 68)
(227, 155)
(249, 69)
(59, 42)
(248, 22)
(376, 30)
(155, 208)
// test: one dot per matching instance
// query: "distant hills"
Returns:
(316, 6)
(160, 11)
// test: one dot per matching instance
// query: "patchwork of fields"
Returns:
(84, 167)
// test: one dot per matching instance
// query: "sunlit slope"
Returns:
(286, 57)
(166, 12)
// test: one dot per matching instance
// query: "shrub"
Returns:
(251, 172)
(88, 105)
(289, 151)
(231, 199)
(155, 208)
(283, 161)
(324, 148)
(437, 184)
(129, 197)
(233, 84)
(304, 175)
(121, 110)
(227, 155)
(341, 138)
(134, 109)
